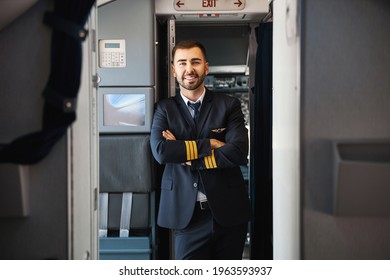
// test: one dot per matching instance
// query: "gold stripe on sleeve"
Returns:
(214, 162)
(206, 162)
(210, 161)
(195, 150)
(188, 150)
(191, 150)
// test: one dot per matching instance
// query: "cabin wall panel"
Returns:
(25, 58)
(345, 95)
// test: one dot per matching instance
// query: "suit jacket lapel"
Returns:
(204, 111)
(185, 112)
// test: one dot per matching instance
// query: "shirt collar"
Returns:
(199, 99)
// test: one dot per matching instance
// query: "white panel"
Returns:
(286, 106)
(83, 160)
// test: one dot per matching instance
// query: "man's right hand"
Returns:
(214, 143)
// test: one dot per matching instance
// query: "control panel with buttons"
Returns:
(112, 53)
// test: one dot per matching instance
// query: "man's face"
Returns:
(190, 68)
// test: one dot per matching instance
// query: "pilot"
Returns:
(202, 140)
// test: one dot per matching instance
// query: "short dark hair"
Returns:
(189, 44)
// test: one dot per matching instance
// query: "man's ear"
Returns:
(173, 71)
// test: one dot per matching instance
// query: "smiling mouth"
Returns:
(190, 78)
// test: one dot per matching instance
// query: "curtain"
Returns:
(261, 162)
(60, 94)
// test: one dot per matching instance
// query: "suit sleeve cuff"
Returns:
(207, 162)
(191, 150)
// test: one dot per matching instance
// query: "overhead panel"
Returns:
(213, 10)
(209, 5)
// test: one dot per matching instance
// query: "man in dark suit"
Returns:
(203, 194)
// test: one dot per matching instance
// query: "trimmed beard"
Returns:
(192, 86)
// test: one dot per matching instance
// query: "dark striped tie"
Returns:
(195, 107)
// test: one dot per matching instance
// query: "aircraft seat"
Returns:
(126, 197)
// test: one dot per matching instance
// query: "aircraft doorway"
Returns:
(231, 51)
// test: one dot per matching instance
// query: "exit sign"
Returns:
(209, 5)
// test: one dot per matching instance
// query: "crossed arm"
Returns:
(177, 147)
(214, 143)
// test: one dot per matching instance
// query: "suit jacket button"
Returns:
(195, 185)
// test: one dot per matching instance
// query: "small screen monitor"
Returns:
(125, 110)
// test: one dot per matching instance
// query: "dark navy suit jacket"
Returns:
(220, 118)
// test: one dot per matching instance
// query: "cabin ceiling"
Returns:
(11, 10)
